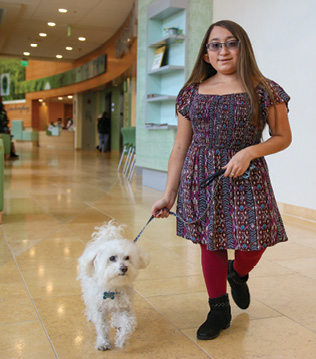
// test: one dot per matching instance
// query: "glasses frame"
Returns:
(221, 45)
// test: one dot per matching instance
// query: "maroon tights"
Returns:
(215, 265)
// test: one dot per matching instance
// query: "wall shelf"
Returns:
(160, 127)
(164, 83)
(166, 69)
(161, 98)
(168, 40)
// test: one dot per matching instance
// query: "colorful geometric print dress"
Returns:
(243, 215)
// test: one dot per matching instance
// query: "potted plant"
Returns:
(172, 31)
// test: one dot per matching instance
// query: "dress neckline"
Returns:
(217, 95)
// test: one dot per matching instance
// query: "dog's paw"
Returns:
(121, 341)
(103, 346)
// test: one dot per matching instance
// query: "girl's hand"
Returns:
(160, 209)
(238, 164)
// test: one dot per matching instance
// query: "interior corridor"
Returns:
(53, 201)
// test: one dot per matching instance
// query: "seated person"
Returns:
(50, 126)
(69, 124)
(59, 123)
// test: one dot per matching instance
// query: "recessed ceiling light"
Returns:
(42, 34)
(69, 48)
(70, 96)
(63, 10)
(59, 56)
(40, 100)
(51, 24)
(60, 98)
(26, 53)
(81, 38)
(33, 45)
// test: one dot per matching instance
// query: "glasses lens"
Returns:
(233, 44)
(213, 46)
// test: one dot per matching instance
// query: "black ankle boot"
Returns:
(218, 318)
(239, 287)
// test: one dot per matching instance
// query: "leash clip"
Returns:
(250, 168)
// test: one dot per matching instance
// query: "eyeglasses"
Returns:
(216, 46)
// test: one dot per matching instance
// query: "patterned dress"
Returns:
(239, 213)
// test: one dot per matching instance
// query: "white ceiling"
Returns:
(23, 20)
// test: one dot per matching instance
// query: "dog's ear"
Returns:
(143, 259)
(87, 265)
(90, 267)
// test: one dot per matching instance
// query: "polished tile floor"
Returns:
(53, 201)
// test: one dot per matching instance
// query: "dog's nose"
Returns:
(124, 269)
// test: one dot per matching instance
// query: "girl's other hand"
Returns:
(238, 164)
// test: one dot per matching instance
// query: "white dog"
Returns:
(107, 269)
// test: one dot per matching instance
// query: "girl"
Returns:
(222, 111)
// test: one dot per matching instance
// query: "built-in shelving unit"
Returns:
(163, 83)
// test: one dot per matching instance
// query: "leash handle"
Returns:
(210, 179)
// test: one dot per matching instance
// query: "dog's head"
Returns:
(111, 260)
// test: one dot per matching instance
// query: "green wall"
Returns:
(154, 146)
(16, 73)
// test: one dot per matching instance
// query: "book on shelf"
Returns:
(156, 125)
(161, 97)
(152, 95)
(158, 57)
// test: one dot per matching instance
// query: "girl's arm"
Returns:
(280, 139)
(176, 160)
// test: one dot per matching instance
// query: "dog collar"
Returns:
(110, 295)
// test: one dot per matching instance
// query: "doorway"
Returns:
(89, 120)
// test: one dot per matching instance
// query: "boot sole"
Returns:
(214, 336)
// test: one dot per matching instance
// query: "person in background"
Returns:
(104, 131)
(222, 111)
(51, 126)
(59, 123)
(4, 128)
(69, 125)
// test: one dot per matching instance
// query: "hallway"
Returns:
(53, 201)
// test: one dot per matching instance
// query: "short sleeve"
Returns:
(184, 99)
(279, 95)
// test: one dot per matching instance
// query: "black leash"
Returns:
(210, 179)
(204, 184)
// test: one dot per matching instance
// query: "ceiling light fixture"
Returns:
(51, 24)
(69, 48)
(81, 38)
(59, 56)
(26, 53)
(70, 96)
(33, 45)
(42, 34)
(40, 100)
(60, 98)
(62, 10)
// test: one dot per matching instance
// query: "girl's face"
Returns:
(224, 57)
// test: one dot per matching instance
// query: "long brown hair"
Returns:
(247, 70)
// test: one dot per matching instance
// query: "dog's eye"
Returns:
(127, 258)
(113, 259)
